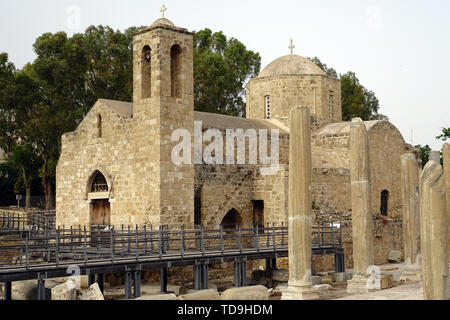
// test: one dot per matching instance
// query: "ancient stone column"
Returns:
(411, 217)
(435, 156)
(411, 213)
(362, 221)
(300, 206)
(446, 158)
(434, 233)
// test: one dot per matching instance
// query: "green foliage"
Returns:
(357, 101)
(329, 71)
(425, 153)
(8, 178)
(445, 134)
(221, 68)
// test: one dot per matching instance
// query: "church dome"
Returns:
(162, 22)
(291, 65)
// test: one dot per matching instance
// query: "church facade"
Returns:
(116, 167)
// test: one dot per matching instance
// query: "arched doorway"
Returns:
(384, 203)
(231, 220)
(100, 206)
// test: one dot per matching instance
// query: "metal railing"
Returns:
(32, 222)
(125, 243)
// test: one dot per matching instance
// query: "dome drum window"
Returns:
(268, 112)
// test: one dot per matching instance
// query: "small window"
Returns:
(99, 126)
(268, 115)
(330, 105)
(198, 206)
(384, 203)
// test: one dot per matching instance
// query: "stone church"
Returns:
(116, 167)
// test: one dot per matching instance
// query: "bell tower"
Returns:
(163, 102)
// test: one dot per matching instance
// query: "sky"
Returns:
(398, 49)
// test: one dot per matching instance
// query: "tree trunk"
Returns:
(48, 194)
(28, 197)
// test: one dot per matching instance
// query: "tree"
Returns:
(221, 68)
(8, 178)
(329, 71)
(25, 159)
(7, 70)
(357, 101)
(425, 153)
(71, 74)
(445, 134)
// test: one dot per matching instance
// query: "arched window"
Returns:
(146, 72)
(175, 71)
(384, 202)
(231, 220)
(99, 183)
(99, 126)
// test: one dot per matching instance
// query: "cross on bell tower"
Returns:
(163, 10)
(292, 47)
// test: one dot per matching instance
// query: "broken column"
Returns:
(300, 207)
(434, 233)
(362, 221)
(446, 158)
(435, 156)
(411, 217)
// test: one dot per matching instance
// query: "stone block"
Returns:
(342, 276)
(27, 290)
(280, 275)
(153, 289)
(65, 291)
(316, 280)
(395, 256)
(327, 280)
(93, 293)
(246, 293)
(387, 281)
(322, 287)
(209, 294)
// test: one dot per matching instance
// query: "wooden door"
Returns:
(258, 213)
(101, 213)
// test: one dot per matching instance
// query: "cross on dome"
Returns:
(163, 10)
(292, 47)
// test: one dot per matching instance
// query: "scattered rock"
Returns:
(326, 279)
(27, 290)
(316, 280)
(280, 275)
(387, 281)
(246, 293)
(322, 287)
(395, 256)
(153, 289)
(65, 291)
(209, 294)
(93, 293)
(342, 276)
